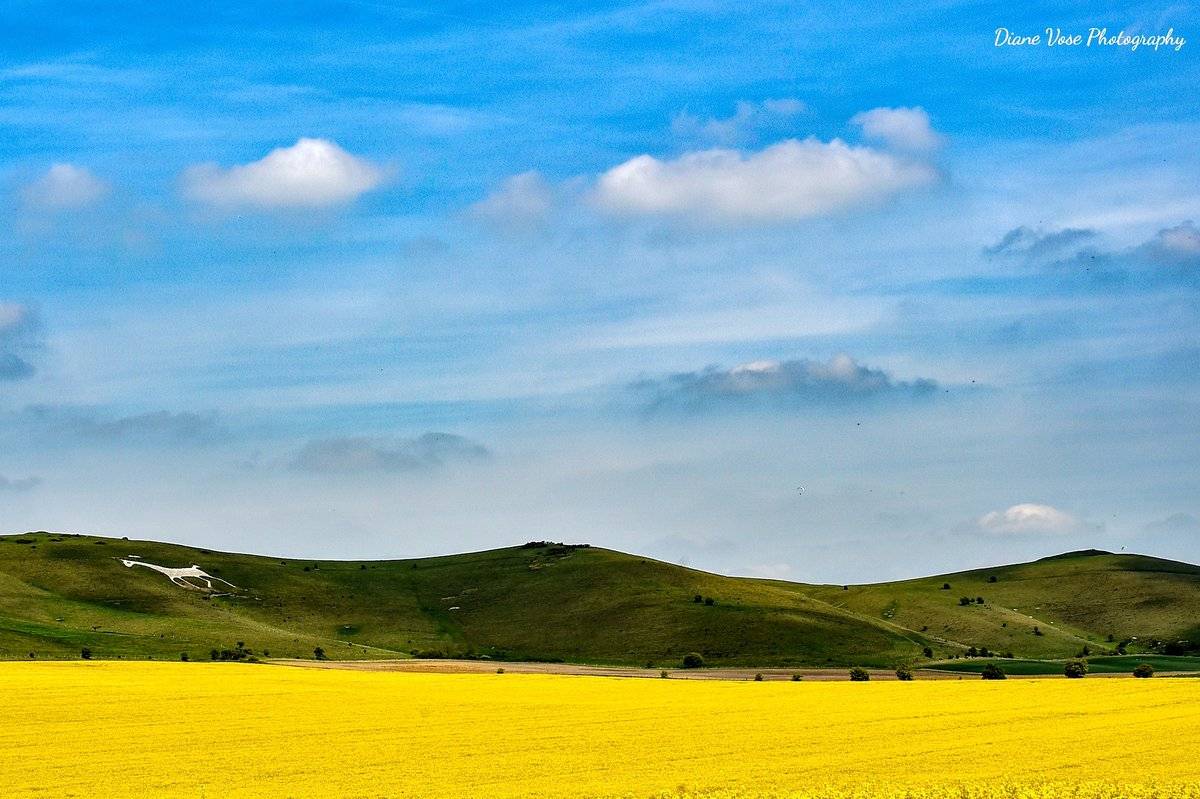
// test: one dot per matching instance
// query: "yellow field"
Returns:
(216, 730)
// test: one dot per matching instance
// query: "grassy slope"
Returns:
(58, 594)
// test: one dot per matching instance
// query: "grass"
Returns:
(59, 594)
(1105, 664)
(130, 730)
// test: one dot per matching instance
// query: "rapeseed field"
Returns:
(107, 729)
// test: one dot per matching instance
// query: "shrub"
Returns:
(797, 677)
(993, 672)
(214, 654)
(1085, 651)
(500, 670)
(978, 600)
(972, 652)
(697, 599)
(758, 677)
(85, 653)
(693, 660)
(1075, 668)
(664, 674)
(858, 674)
(945, 586)
(1037, 630)
(319, 654)
(709, 601)
(964, 600)
(992, 578)
(904, 674)
(1143, 670)
(927, 652)
(183, 656)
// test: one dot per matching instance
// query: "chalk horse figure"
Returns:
(184, 578)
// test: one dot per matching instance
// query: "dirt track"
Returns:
(490, 666)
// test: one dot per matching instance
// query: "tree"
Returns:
(1037, 630)
(964, 600)
(697, 599)
(758, 677)
(858, 674)
(945, 586)
(1075, 668)
(927, 652)
(85, 653)
(904, 674)
(978, 600)
(709, 601)
(993, 672)
(183, 656)
(319, 653)
(693, 660)
(1143, 670)
(992, 578)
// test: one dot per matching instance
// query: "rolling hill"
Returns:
(61, 593)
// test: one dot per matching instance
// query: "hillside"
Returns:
(60, 593)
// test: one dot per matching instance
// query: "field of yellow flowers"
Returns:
(106, 729)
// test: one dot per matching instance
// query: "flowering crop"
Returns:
(105, 729)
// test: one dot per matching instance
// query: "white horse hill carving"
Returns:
(188, 578)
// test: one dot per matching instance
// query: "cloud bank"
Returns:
(836, 381)
(19, 485)
(356, 455)
(312, 173)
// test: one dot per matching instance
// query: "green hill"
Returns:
(61, 593)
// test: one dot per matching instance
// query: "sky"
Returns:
(819, 292)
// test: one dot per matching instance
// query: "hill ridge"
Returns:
(62, 592)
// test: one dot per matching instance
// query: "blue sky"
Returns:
(824, 293)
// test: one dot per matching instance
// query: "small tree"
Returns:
(697, 599)
(664, 674)
(85, 653)
(978, 600)
(945, 586)
(693, 660)
(993, 672)
(214, 654)
(319, 654)
(904, 674)
(183, 656)
(758, 677)
(859, 674)
(964, 600)
(1037, 630)
(797, 677)
(1143, 670)
(500, 670)
(992, 578)
(1075, 668)
(709, 601)
(927, 652)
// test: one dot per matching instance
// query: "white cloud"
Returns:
(901, 128)
(523, 200)
(787, 181)
(312, 173)
(1029, 517)
(64, 187)
(20, 338)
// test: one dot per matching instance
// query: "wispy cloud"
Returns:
(523, 201)
(20, 338)
(17, 485)
(1038, 243)
(354, 455)
(312, 173)
(747, 120)
(86, 425)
